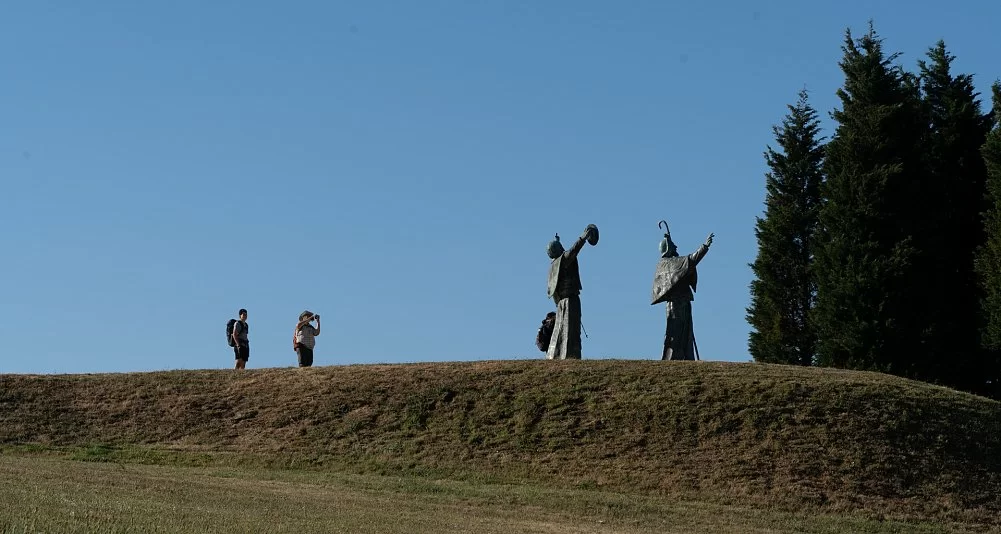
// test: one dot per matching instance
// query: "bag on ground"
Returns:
(545, 332)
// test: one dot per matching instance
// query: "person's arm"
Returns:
(236, 337)
(316, 331)
(295, 333)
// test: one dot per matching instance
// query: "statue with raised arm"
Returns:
(564, 288)
(674, 282)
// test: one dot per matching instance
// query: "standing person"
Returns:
(674, 282)
(303, 340)
(564, 288)
(241, 343)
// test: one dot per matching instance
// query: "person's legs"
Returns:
(305, 357)
(242, 355)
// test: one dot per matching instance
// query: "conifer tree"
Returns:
(989, 256)
(957, 185)
(783, 291)
(867, 313)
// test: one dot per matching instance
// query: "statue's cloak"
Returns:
(556, 272)
(673, 275)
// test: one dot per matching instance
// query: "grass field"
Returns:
(518, 446)
(50, 494)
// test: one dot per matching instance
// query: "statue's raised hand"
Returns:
(709, 240)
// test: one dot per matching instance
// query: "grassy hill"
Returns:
(775, 436)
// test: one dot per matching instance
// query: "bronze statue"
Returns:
(564, 288)
(674, 282)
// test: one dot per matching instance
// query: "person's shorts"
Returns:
(305, 356)
(242, 352)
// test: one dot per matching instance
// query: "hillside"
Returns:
(751, 433)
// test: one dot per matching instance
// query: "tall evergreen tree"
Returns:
(989, 256)
(867, 313)
(783, 291)
(958, 129)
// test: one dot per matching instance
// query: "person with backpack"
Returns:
(236, 334)
(303, 340)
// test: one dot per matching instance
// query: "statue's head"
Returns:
(555, 248)
(667, 247)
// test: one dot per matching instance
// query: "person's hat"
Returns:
(305, 314)
(592, 234)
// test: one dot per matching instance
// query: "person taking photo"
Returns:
(303, 339)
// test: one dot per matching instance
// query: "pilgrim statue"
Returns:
(674, 282)
(564, 288)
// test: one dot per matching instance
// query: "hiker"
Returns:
(303, 340)
(564, 288)
(241, 343)
(674, 282)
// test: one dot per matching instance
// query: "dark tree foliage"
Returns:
(881, 250)
(988, 261)
(958, 128)
(867, 313)
(783, 291)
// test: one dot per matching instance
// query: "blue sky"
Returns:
(397, 167)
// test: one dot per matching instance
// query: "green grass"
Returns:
(782, 440)
(46, 494)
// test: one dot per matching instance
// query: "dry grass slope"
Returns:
(777, 436)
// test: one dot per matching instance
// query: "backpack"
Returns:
(545, 332)
(229, 332)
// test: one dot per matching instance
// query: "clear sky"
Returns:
(397, 167)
